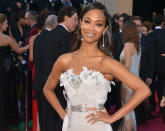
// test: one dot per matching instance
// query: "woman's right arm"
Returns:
(15, 46)
(51, 84)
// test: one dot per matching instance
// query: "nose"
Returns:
(92, 26)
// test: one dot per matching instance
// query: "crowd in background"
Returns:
(27, 19)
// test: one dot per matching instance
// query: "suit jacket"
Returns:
(57, 43)
(118, 45)
(147, 62)
(38, 49)
(158, 42)
(161, 59)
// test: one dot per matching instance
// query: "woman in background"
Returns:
(130, 58)
(6, 93)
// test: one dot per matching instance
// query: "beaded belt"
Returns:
(83, 108)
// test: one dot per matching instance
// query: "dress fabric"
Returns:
(127, 93)
(89, 89)
(4, 90)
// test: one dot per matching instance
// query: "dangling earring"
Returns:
(103, 40)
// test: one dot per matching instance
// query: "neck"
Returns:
(89, 49)
(65, 25)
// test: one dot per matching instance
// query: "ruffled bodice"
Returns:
(89, 85)
(88, 89)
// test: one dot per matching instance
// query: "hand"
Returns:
(20, 57)
(162, 103)
(63, 115)
(98, 116)
(148, 81)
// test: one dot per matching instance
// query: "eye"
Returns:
(99, 25)
(86, 21)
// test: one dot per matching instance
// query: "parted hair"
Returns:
(76, 41)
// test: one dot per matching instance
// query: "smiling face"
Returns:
(93, 25)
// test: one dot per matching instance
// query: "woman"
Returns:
(16, 30)
(85, 74)
(6, 43)
(130, 58)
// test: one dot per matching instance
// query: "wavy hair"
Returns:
(130, 34)
(76, 40)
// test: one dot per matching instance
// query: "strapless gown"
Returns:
(89, 89)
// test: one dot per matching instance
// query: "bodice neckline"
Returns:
(70, 70)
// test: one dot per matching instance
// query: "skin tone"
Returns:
(92, 27)
(139, 25)
(162, 103)
(121, 22)
(71, 22)
(6, 40)
(144, 30)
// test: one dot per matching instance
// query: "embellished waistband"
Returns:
(84, 107)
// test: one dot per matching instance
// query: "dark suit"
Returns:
(157, 43)
(118, 45)
(48, 47)
(147, 68)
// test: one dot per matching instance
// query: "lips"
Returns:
(90, 34)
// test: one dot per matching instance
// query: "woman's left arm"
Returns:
(141, 91)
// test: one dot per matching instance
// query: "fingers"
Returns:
(92, 109)
(90, 115)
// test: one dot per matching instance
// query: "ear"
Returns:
(65, 18)
(106, 28)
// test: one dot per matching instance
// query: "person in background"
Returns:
(53, 43)
(8, 108)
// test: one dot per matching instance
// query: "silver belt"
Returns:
(83, 108)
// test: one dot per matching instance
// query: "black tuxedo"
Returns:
(147, 69)
(50, 46)
(158, 42)
(118, 44)
(147, 62)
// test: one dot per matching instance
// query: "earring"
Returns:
(103, 40)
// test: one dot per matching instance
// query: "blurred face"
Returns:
(144, 30)
(139, 25)
(93, 25)
(23, 21)
(121, 22)
(4, 25)
(71, 22)
(28, 20)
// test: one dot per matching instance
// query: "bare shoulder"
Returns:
(109, 64)
(65, 59)
(129, 45)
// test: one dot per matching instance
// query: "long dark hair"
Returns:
(130, 34)
(76, 41)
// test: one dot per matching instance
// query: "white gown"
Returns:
(89, 89)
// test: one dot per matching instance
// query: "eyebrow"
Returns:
(96, 20)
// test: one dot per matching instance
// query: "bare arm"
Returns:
(15, 46)
(51, 84)
(141, 91)
(31, 43)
